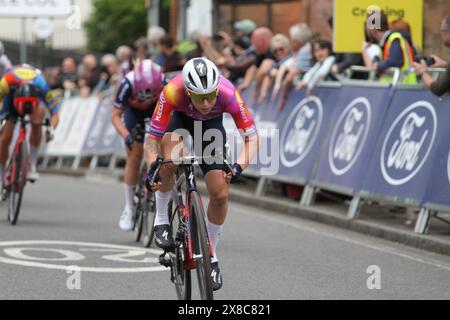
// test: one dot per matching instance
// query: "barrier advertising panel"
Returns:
(357, 121)
(404, 154)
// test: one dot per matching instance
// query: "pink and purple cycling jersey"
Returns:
(174, 98)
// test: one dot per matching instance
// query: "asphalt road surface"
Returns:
(67, 245)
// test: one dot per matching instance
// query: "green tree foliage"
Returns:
(114, 23)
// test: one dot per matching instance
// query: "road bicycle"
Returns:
(193, 248)
(16, 173)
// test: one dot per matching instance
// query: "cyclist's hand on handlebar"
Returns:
(237, 171)
(153, 182)
(129, 142)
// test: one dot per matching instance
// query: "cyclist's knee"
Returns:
(6, 137)
(168, 170)
(219, 198)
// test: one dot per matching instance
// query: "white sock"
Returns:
(33, 154)
(2, 173)
(214, 232)
(129, 197)
(162, 203)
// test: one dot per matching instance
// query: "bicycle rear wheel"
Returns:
(19, 177)
(200, 246)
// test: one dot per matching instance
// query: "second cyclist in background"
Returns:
(23, 88)
(135, 101)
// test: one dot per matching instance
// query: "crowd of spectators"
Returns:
(275, 64)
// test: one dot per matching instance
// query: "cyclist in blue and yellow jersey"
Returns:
(22, 89)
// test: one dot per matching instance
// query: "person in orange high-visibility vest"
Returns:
(397, 51)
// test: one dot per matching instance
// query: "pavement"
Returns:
(67, 245)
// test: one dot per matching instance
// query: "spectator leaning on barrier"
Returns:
(89, 75)
(397, 51)
(242, 57)
(281, 49)
(69, 76)
(234, 60)
(300, 35)
(322, 50)
(261, 41)
(442, 84)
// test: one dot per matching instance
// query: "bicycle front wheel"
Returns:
(19, 174)
(200, 246)
(148, 218)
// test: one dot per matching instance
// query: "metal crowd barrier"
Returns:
(368, 140)
(365, 139)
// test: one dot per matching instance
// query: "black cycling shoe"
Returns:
(163, 237)
(216, 276)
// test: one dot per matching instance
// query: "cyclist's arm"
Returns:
(152, 149)
(123, 94)
(244, 122)
(116, 119)
(249, 151)
(158, 125)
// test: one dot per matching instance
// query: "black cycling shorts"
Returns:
(204, 145)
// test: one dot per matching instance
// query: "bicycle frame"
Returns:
(188, 177)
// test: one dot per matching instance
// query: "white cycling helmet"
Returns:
(201, 76)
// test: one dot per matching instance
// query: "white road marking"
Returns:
(19, 254)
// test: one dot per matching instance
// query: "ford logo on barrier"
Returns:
(300, 131)
(408, 143)
(349, 135)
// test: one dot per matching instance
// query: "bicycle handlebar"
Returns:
(189, 160)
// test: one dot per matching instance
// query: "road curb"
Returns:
(379, 230)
